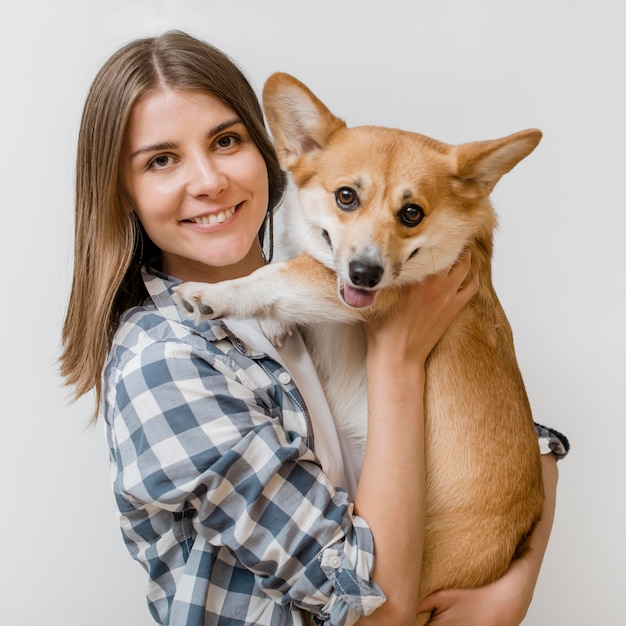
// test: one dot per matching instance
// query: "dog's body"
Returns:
(379, 208)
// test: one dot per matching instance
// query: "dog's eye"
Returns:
(411, 214)
(346, 199)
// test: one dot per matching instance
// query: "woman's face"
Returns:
(198, 183)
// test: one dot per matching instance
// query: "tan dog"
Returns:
(379, 208)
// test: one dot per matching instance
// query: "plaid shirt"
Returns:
(221, 497)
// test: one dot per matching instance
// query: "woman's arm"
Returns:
(390, 494)
(504, 602)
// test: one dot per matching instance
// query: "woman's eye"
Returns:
(227, 141)
(411, 215)
(346, 198)
(159, 162)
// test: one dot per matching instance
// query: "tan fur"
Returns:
(484, 487)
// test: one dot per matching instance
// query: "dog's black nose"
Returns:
(364, 275)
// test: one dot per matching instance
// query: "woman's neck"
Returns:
(191, 270)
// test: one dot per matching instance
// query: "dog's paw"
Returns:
(276, 331)
(194, 299)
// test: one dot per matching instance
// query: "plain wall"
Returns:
(455, 70)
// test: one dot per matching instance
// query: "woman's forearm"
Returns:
(391, 489)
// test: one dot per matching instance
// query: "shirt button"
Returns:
(284, 378)
(335, 562)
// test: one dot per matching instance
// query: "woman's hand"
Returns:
(505, 601)
(502, 603)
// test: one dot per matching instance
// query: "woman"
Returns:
(230, 491)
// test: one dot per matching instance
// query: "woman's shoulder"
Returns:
(140, 324)
(151, 333)
(150, 350)
(145, 329)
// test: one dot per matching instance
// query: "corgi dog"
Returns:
(379, 208)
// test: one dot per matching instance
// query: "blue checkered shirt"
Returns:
(220, 495)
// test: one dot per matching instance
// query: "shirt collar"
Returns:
(160, 289)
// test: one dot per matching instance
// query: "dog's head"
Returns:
(384, 206)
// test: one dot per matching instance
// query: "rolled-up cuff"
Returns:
(348, 566)
(552, 441)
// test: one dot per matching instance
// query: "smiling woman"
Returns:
(198, 184)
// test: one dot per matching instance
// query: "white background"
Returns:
(453, 69)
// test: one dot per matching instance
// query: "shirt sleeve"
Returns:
(552, 441)
(192, 430)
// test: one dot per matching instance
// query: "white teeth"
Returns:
(214, 218)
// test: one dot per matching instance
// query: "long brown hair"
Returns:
(110, 244)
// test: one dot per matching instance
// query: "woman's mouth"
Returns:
(214, 218)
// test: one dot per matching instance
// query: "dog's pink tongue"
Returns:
(357, 298)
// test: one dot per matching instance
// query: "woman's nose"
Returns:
(206, 177)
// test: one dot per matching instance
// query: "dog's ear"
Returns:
(481, 164)
(299, 121)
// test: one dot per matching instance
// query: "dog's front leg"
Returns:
(300, 291)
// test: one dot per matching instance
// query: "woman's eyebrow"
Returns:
(223, 126)
(168, 145)
(156, 147)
